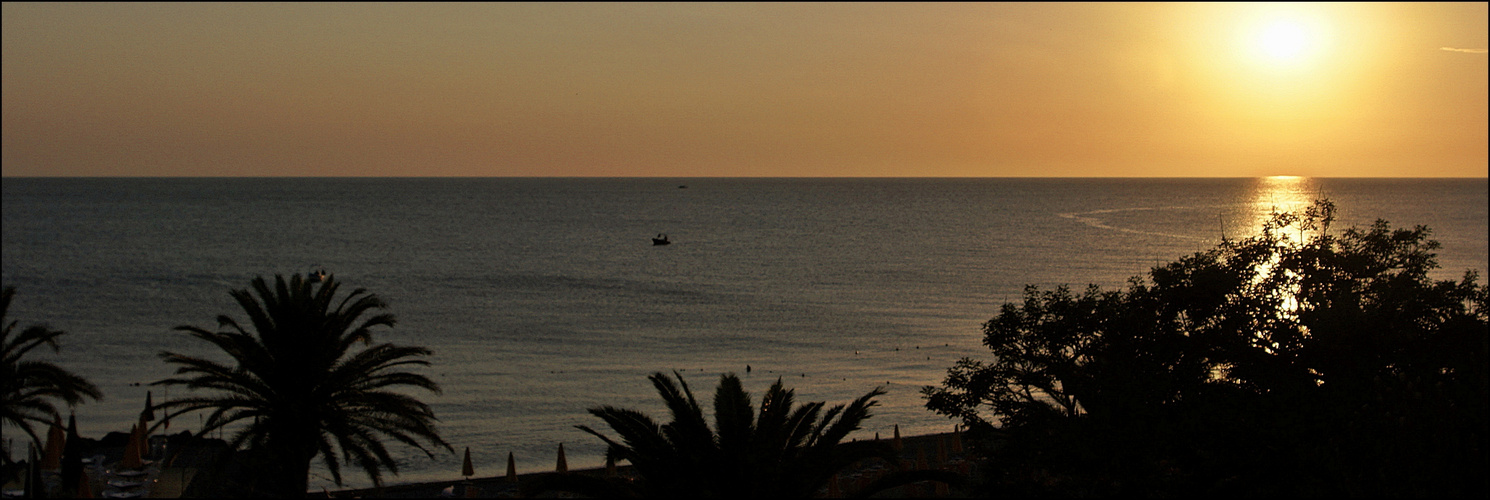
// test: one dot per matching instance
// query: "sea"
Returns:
(544, 297)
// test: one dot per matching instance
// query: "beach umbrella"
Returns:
(562, 465)
(84, 489)
(166, 415)
(52, 459)
(149, 414)
(941, 450)
(72, 458)
(131, 458)
(956, 439)
(144, 431)
(33, 488)
(466, 469)
(896, 440)
(511, 469)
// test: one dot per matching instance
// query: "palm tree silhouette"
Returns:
(782, 451)
(297, 388)
(28, 388)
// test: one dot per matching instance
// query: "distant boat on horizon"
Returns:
(661, 239)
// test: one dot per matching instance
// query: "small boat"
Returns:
(661, 239)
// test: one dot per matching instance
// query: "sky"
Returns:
(746, 90)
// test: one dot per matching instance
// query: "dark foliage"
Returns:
(783, 451)
(297, 388)
(30, 389)
(1267, 366)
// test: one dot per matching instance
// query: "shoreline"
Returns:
(925, 450)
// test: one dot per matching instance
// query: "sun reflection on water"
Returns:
(1279, 194)
(1275, 195)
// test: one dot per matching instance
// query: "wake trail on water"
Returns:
(1089, 218)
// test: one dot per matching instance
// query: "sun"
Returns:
(1285, 41)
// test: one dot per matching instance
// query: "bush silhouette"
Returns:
(1327, 365)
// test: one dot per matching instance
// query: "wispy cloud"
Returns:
(1471, 51)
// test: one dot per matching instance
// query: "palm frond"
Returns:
(58, 382)
(638, 432)
(732, 416)
(29, 388)
(782, 452)
(30, 338)
(687, 432)
(853, 417)
(801, 424)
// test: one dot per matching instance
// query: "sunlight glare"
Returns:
(1284, 40)
(1278, 194)
(1282, 75)
(1281, 193)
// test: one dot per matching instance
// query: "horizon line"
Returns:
(640, 177)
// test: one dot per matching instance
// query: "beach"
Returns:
(936, 451)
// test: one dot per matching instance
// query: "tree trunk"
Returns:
(287, 464)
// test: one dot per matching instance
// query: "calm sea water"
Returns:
(544, 297)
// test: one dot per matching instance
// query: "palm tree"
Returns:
(780, 452)
(296, 388)
(29, 388)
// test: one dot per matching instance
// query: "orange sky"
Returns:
(1232, 90)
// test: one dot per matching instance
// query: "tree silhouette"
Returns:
(1323, 365)
(783, 451)
(297, 388)
(30, 388)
